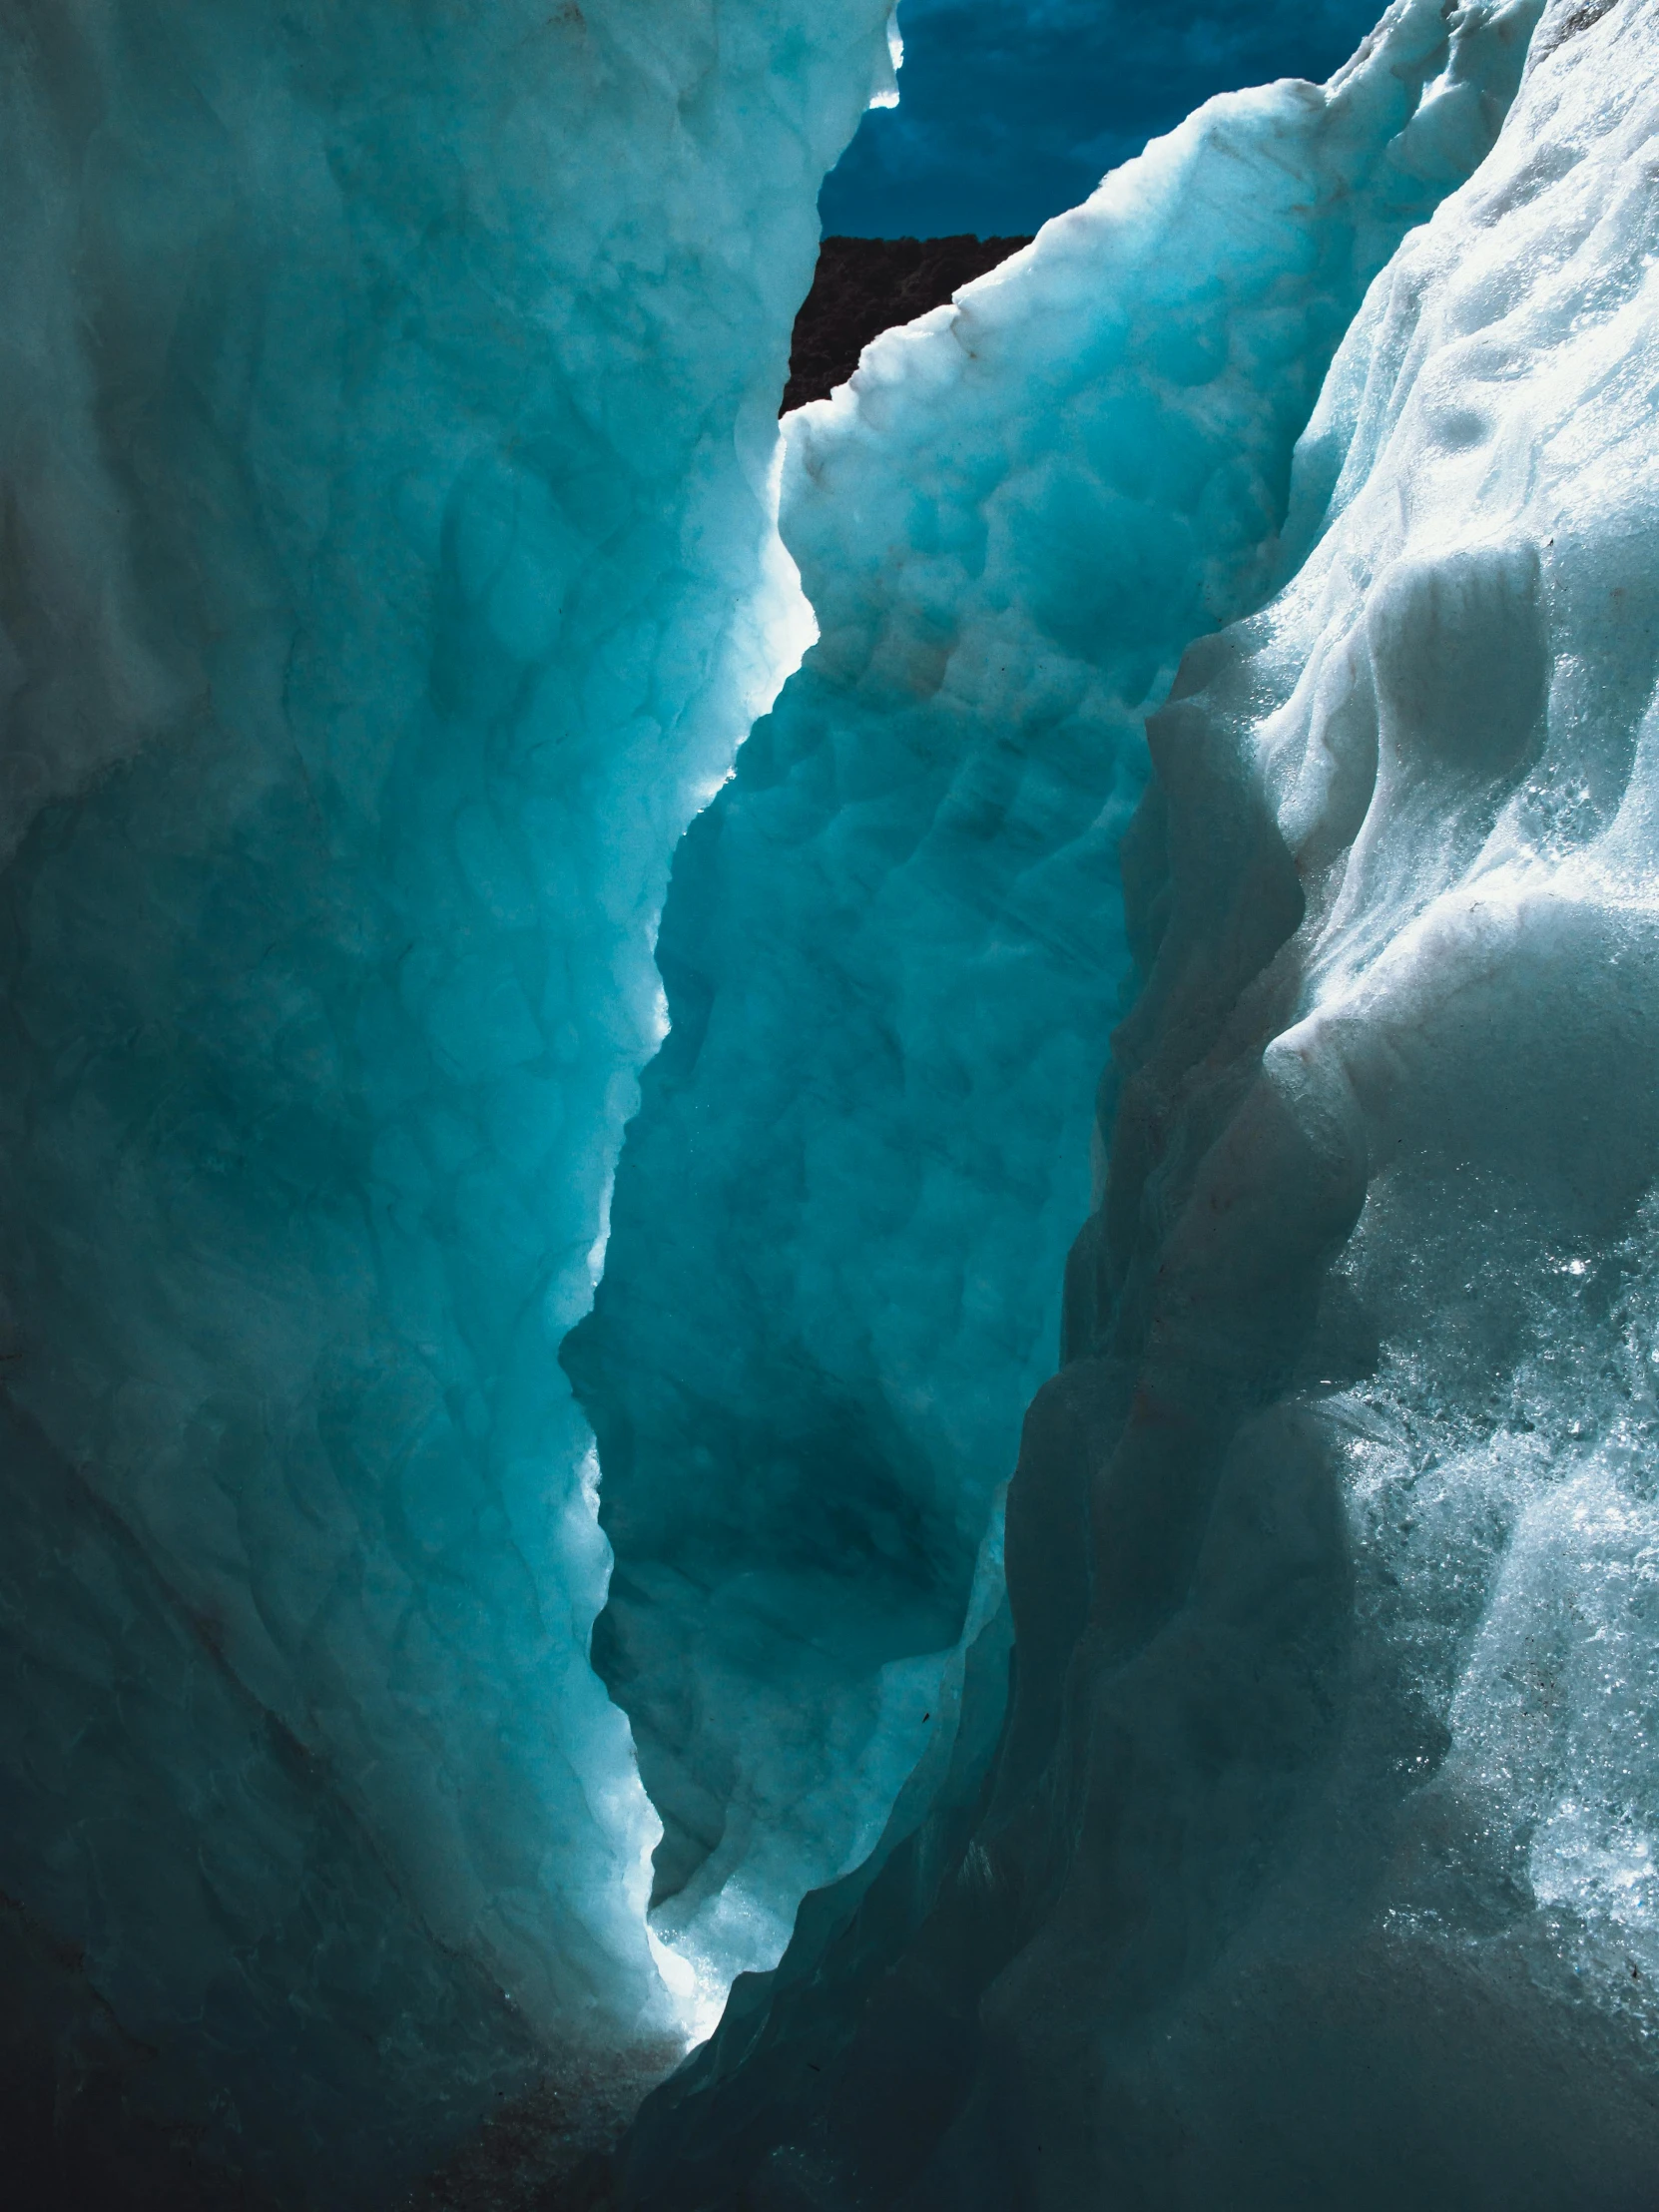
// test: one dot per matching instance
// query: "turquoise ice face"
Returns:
(1316, 1864)
(390, 569)
(894, 948)
(389, 403)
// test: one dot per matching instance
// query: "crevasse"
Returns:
(1263, 1809)
(1315, 1863)
(894, 948)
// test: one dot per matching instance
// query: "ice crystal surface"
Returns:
(894, 945)
(387, 429)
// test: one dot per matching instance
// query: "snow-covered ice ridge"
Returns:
(1316, 1865)
(388, 427)
(895, 947)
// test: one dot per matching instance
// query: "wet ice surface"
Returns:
(1316, 1860)
(894, 950)
(389, 410)
(391, 576)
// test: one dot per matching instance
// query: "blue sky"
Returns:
(1015, 109)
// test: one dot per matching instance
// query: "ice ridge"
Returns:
(1317, 1863)
(894, 951)
(387, 429)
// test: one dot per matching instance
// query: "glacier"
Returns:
(1314, 1864)
(387, 454)
(1158, 1715)
(894, 948)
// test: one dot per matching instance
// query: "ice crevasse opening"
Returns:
(894, 950)
(1312, 1861)
(397, 548)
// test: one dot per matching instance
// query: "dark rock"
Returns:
(550, 2150)
(865, 285)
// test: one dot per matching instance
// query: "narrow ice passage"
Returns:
(434, 1527)
(1315, 1865)
(894, 951)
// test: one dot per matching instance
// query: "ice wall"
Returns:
(1318, 1861)
(894, 948)
(388, 406)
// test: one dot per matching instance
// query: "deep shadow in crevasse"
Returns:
(867, 285)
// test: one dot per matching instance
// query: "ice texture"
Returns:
(894, 946)
(1316, 1865)
(387, 443)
